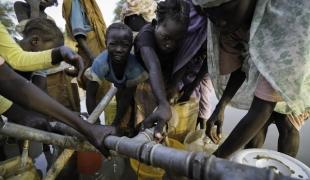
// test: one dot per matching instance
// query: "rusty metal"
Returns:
(102, 105)
(194, 165)
(59, 164)
(27, 133)
(67, 153)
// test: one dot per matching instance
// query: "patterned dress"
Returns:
(278, 50)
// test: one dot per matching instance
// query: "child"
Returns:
(118, 66)
(156, 45)
(248, 46)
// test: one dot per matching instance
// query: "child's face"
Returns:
(119, 44)
(168, 34)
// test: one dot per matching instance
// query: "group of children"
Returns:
(169, 57)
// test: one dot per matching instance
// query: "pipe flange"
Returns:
(118, 142)
(152, 153)
(198, 164)
(207, 166)
(145, 154)
(189, 158)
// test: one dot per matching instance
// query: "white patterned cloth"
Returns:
(145, 8)
(279, 50)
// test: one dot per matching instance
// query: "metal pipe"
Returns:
(59, 164)
(65, 129)
(194, 165)
(101, 106)
(28, 133)
(56, 167)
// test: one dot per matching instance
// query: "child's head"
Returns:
(172, 23)
(119, 41)
(41, 34)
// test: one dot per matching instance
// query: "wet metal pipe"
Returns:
(65, 155)
(189, 164)
(102, 104)
(27, 133)
(194, 165)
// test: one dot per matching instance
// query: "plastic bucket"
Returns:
(184, 118)
(198, 141)
(88, 162)
(145, 172)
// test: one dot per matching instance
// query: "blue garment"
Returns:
(79, 22)
(102, 69)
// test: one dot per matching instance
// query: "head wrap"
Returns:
(145, 8)
(209, 3)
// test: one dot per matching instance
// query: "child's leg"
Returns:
(247, 128)
(259, 140)
(288, 142)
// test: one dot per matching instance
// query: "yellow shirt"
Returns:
(20, 60)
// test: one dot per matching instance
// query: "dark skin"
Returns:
(135, 22)
(33, 98)
(235, 81)
(247, 128)
(288, 142)
(36, 41)
(119, 43)
(33, 42)
(226, 21)
(168, 34)
(260, 110)
(88, 58)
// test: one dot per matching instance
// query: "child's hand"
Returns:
(161, 116)
(217, 119)
(72, 58)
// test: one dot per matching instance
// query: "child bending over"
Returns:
(118, 66)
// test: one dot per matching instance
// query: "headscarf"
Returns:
(209, 3)
(145, 8)
(195, 37)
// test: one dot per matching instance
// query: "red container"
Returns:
(88, 162)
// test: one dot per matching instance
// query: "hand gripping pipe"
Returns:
(194, 165)
(190, 164)
(67, 153)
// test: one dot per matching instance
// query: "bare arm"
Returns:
(124, 98)
(91, 91)
(235, 81)
(151, 62)
(82, 43)
(26, 94)
(163, 112)
(40, 82)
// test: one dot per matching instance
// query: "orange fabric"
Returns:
(94, 16)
